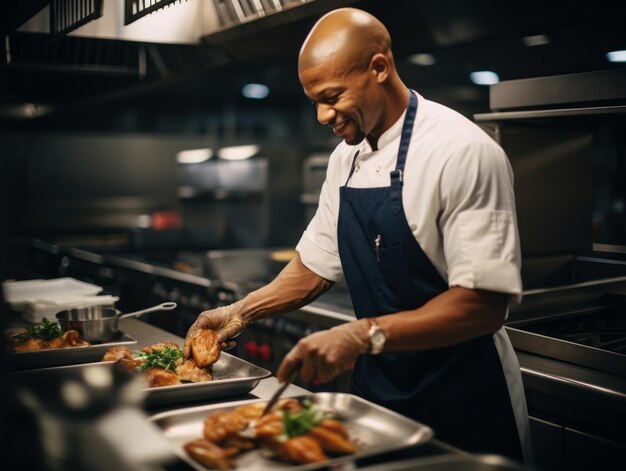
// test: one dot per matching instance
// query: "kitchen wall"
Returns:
(103, 182)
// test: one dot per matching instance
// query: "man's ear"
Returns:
(379, 67)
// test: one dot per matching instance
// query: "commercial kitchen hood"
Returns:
(107, 61)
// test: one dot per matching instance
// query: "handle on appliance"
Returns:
(161, 307)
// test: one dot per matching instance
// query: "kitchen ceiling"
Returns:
(44, 77)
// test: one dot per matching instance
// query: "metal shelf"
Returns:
(551, 113)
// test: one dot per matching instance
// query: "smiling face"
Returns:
(346, 68)
(345, 100)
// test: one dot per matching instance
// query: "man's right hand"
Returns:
(227, 321)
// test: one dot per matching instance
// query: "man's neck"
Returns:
(398, 104)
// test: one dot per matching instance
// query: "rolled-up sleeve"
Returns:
(478, 221)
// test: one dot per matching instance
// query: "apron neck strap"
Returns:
(405, 140)
(397, 174)
(351, 168)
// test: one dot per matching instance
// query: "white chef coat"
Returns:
(459, 203)
(457, 196)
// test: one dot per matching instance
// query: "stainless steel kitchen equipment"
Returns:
(99, 323)
(564, 136)
(374, 429)
(576, 410)
(232, 377)
(65, 356)
(456, 463)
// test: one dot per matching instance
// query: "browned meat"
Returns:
(331, 441)
(301, 449)
(159, 346)
(270, 425)
(129, 364)
(30, 344)
(251, 411)
(188, 371)
(116, 353)
(222, 425)
(71, 338)
(209, 454)
(160, 377)
(335, 426)
(204, 348)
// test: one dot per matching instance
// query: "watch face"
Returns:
(377, 339)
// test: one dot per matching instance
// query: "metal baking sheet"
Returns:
(232, 376)
(373, 428)
(64, 356)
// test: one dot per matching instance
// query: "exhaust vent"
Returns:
(67, 16)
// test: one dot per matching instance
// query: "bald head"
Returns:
(346, 68)
(346, 36)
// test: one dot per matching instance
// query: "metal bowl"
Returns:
(99, 323)
(93, 323)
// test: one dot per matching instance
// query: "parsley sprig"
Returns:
(44, 330)
(166, 358)
(300, 422)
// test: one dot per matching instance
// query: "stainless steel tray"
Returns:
(454, 462)
(232, 376)
(373, 428)
(64, 356)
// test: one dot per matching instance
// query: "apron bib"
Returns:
(459, 391)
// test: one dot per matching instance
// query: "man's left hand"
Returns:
(326, 354)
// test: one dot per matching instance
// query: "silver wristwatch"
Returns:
(377, 337)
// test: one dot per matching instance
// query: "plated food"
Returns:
(372, 430)
(43, 335)
(163, 363)
(295, 431)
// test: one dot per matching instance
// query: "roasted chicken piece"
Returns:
(331, 441)
(301, 449)
(270, 425)
(71, 338)
(188, 371)
(204, 348)
(159, 346)
(29, 345)
(251, 411)
(209, 454)
(169, 369)
(220, 426)
(129, 364)
(115, 353)
(244, 428)
(160, 377)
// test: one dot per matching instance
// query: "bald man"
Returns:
(418, 214)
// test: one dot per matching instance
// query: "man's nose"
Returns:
(325, 113)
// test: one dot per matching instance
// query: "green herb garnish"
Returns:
(45, 330)
(299, 423)
(166, 358)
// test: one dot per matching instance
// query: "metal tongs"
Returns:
(250, 430)
(293, 375)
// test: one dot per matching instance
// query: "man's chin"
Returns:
(354, 140)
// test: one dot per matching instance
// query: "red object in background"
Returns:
(265, 352)
(251, 348)
(163, 220)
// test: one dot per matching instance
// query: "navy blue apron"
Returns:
(459, 391)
